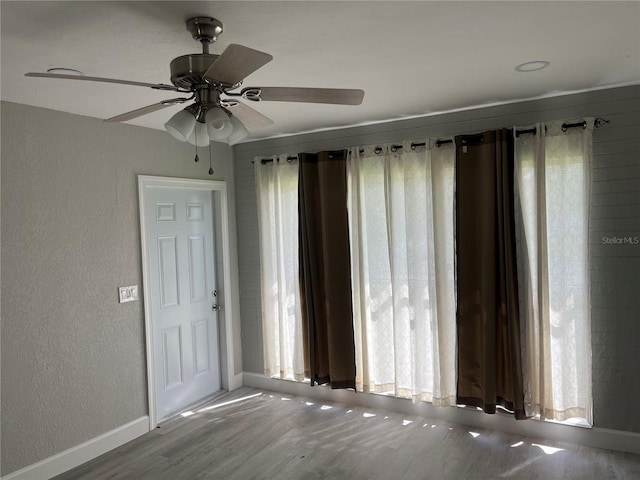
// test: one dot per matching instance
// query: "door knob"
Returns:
(215, 307)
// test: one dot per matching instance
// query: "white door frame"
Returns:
(226, 364)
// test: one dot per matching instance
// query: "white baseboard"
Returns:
(236, 382)
(591, 437)
(71, 458)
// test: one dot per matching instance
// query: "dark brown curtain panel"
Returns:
(325, 270)
(488, 329)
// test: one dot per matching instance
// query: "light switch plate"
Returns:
(128, 294)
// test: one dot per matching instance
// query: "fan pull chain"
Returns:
(195, 132)
(210, 167)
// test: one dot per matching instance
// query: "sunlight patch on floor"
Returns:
(522, 466)
(213, 407)
(547, 449)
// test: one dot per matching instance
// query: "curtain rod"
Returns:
(565, 126)
(533, 130)
(270, 160)
(597, 123)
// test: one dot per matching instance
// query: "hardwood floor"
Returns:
(258, 434)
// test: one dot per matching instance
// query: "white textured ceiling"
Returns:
(410, 58)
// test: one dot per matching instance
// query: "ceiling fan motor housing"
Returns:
(187, 71)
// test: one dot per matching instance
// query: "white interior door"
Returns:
(182, 285)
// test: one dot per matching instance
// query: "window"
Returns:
(402, 256)
(552, 190)
(401, 226)
(277, 194)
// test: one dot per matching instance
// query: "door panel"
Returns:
(168, 263)
(201, 352)
(165, 212)
(172, 355)
(197, 265)
(194, 211)
(180, 243)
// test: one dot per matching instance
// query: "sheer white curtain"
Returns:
(401, 226)
(552, 197)
(277, 195)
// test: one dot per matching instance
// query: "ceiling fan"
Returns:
(213, 81)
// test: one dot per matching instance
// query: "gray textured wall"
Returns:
(73, 358)
(615, 211)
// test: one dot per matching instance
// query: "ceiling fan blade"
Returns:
(138, 112)
(252, 119)
(156, 86)
(236, 63)
(340, 96)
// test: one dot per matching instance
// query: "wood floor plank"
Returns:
(258, 434)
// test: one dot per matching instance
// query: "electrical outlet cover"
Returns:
(128, 294)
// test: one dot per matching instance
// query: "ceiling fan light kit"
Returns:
(181, 125)
(217, 113)
(239, 132)
(217, 118)
(199, 137)
(219, 134)
(219, 125)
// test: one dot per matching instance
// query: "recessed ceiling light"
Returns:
(533, 66)
(66, 71)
